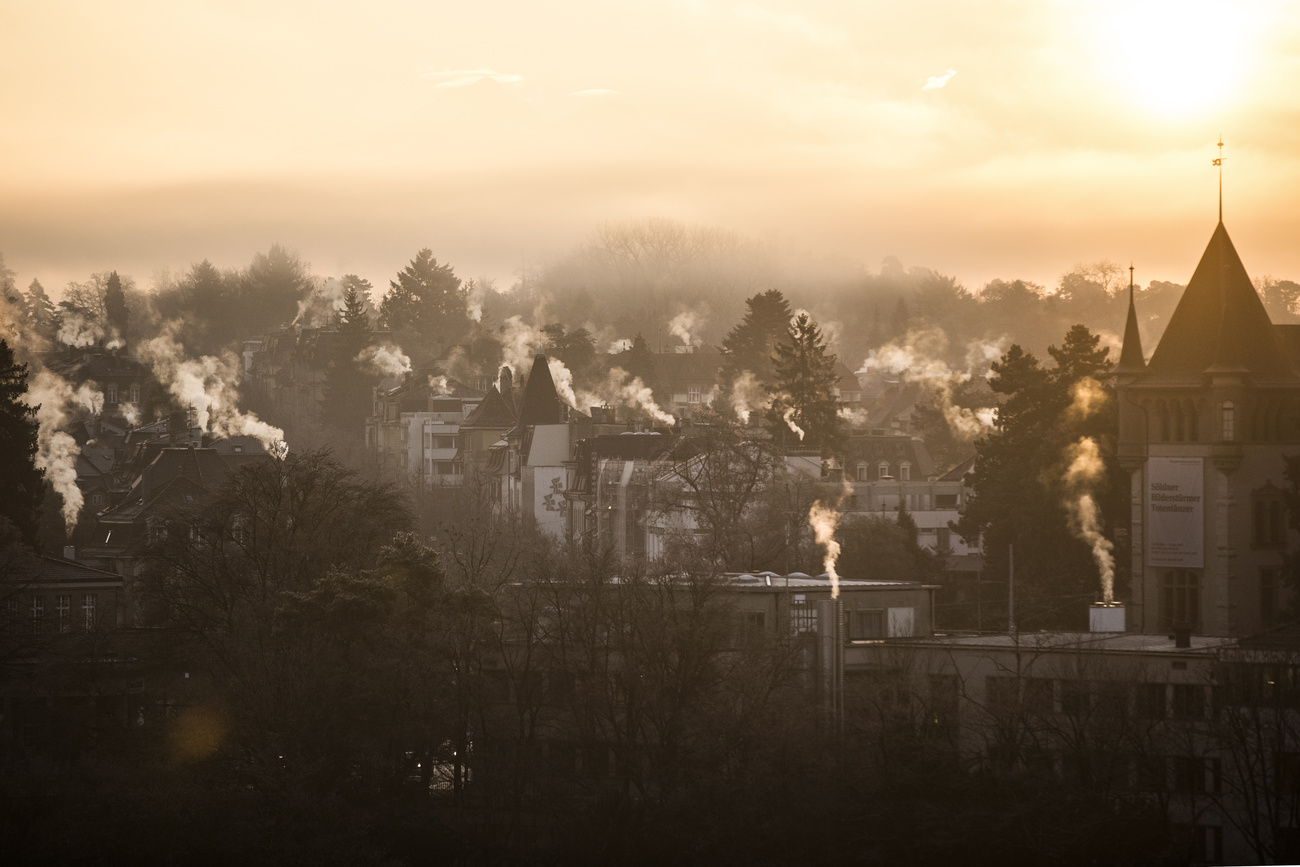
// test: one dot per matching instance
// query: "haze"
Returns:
(1007, 139)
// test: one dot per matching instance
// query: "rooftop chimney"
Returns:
(69, 552)
(1106, 617)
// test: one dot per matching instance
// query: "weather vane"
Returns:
(1219, 162)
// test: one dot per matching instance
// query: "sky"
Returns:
(1010, 138)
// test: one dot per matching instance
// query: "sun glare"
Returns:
(1181, 57)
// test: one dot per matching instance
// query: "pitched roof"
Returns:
(493, 412)
(1220, 322)
(1131, 359)
(540, 403)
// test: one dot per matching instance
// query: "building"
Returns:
(1203, 429)
(415, 429)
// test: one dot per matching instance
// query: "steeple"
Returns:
(540, 403)
(1220, 323)
(1131, 359)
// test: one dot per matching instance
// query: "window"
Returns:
(866, 624)
(1180, 600)
(38, 612)
(803, 617)
(96, 500)
(905, 472)
(1229, 421)
(1076, 698)
(1189, 701)
(110, 394)
(945, 501)
(1269, 582)
(883, 470)
(133, 393)
(88, 609)
(864, 473)
(1151, 700)
(902, 622)
(752, 626)
(943, 540)
(63, 610)
(692, 394)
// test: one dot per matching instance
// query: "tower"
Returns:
(1203, 427)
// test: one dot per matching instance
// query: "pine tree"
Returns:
(427, 297)
(347, 384)
(41, 312)
(750, 344)
(805, 390)
(22, 485)
(115, 305)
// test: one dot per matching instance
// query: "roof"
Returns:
(493, 412)
(958, 473)
(540, 403)
(1220, 324)
(204, 467)
(1131, 359)
(1128, 642)
(892, 449)
(29, 567)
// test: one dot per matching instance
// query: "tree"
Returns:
(428, 298)
(115, 311)
(1020, 493)
(888, 549)
(347, 381)
(272, 287)
(42, 313)
(804, 385)
(749, 346)
(22, 485)
(575, 348)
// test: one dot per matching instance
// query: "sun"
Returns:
(1181, 57)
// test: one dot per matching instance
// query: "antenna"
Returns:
(1219, 163)
(1130, 282)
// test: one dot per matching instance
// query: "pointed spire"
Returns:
(540, 403)
(1131, 359)
(1220, 322)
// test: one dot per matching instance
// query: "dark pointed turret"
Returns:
(1220, 323)
(1131, 359)
(540, 403)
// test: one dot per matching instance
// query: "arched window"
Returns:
(1177, 413)
(1180, 600)
(1193, 423)
(1229, 421)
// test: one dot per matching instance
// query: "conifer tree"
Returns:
(41, 312)
(347, 384)
(427, 297)
(115, 305)
(805, 390)
(750, 344)
(22, 485)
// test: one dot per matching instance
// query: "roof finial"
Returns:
(1130, 282)
(1219, 163)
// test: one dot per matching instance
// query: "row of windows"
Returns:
(62, 617)
(882, 472)
(111, 393)
(1179, 421)
(1078, 698)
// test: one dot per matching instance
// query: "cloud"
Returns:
(596, 91)
(935, 82)
(466, 77)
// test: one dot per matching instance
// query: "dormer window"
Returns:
(1229, 421)
(905, 472)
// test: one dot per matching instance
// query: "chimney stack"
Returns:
(1107, 617)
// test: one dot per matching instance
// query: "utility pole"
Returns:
(1011, 588)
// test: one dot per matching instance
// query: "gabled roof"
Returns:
(202, 466)
(540, 403)
(1220, 322)
(493, 412)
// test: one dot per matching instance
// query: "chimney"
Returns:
(1107, 617)
(177, 432)
(69, 552)
(1183, 637)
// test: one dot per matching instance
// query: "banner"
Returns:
(1175, 524)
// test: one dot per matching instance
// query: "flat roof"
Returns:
(1129, 642)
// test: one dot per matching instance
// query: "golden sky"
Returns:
(983, 139)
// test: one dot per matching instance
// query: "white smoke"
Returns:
(824, 519)
(208, 385)
(619, 390)
(683, 324)
(748, 396)
(520, 342)
(788, 417)
(385, 359)
(57, 451)
(77, 330)
(319, 308)
(918, 357)
(439, 385)
(476, 295)
(619, 346)
(1084, 474)
(130, 412)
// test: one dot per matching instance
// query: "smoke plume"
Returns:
(918, 357)
(683, 324)
(748, 395)
(520, 342)
(208, 385)
(1086, 397)
(321, 305)
(385, 360)
(618, 390)
(57, 451)
(1084, 474)
(824, 520)
(77, 330)
(788, 417)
